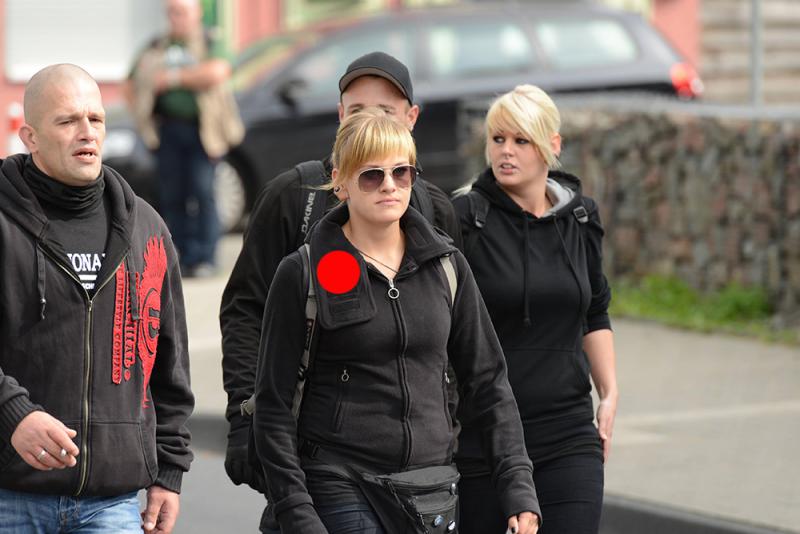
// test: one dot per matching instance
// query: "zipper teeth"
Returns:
(87, 387)
(85, 418)
(406, 394)
(88, 355)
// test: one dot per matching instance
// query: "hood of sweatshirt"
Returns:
(423, 244)
(563, 191)
(20, 204)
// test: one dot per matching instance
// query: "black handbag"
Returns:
(422, 501)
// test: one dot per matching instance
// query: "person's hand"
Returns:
(161, 512)
(606, 412)
(524, 523)
(44, 442)
(239, 469)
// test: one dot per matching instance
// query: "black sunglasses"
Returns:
(370, 180)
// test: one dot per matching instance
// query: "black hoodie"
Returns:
(541, 303)
(106, 365)
(391, 413)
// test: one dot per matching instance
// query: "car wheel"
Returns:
(231, 196)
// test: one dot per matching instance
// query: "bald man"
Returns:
(92, 327)
(185, 112)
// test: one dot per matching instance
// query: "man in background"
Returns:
(185, 111)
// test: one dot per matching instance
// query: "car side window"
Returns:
(478, 48)
(585, 43)
(319, 72)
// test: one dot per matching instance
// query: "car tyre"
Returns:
(231, 196)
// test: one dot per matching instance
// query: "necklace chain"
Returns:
(377, 260)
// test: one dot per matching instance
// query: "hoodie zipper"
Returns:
(88, 360)
(394, 298)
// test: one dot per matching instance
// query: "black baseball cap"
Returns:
(383, 65)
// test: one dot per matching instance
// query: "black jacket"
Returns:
(541, 303)
(272, 233)
(106, 366)
(391, 413)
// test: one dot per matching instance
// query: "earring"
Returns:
(337, 188)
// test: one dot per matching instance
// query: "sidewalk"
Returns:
(706, 424)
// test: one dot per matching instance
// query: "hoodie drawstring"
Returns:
(571, 265)
(132, 289)
(526, 318)
(41, 280)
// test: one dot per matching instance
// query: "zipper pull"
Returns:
(345, 377)
(393, 291)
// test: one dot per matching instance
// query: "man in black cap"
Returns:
(282, 215)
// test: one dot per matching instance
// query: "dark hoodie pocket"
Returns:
(546, 381)
(121, 458)
(342, 395)
(582, 367)
(446, 398)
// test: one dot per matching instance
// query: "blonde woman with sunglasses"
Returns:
(375, 400)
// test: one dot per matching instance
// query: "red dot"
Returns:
(338, 272)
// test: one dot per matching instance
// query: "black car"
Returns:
(287, 84)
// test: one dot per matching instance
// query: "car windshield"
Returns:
(258, 59)
(599, 42)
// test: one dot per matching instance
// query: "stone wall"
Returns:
(725, 49)
(692, 192)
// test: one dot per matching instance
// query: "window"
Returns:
(585, 43)
(321, 71)
(467, 49)
(100, 36)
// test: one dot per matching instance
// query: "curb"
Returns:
(621, 515)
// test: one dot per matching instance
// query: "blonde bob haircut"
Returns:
(369, 135)
(527, 111)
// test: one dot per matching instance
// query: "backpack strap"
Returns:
(313, 175)
(580, 213)
(248, 407)
(478, 211)
(422, 202)
(449, 266)
(311, 323)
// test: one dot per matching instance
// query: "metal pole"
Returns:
(756, 54)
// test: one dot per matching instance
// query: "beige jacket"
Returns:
(220, 124)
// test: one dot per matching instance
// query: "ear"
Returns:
(411, 116)
(340, 107)
(28, 137)
(341, 190)
(555, 144)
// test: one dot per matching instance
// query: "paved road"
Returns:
(707, 424)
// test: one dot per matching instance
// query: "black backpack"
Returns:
(479, 210)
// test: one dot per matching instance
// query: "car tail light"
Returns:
(686, 81)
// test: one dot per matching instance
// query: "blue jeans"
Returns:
(186, 192)
(31, 513)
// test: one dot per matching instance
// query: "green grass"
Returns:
(734, 309)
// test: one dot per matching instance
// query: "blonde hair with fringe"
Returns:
(530, 112)
(368, 135)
